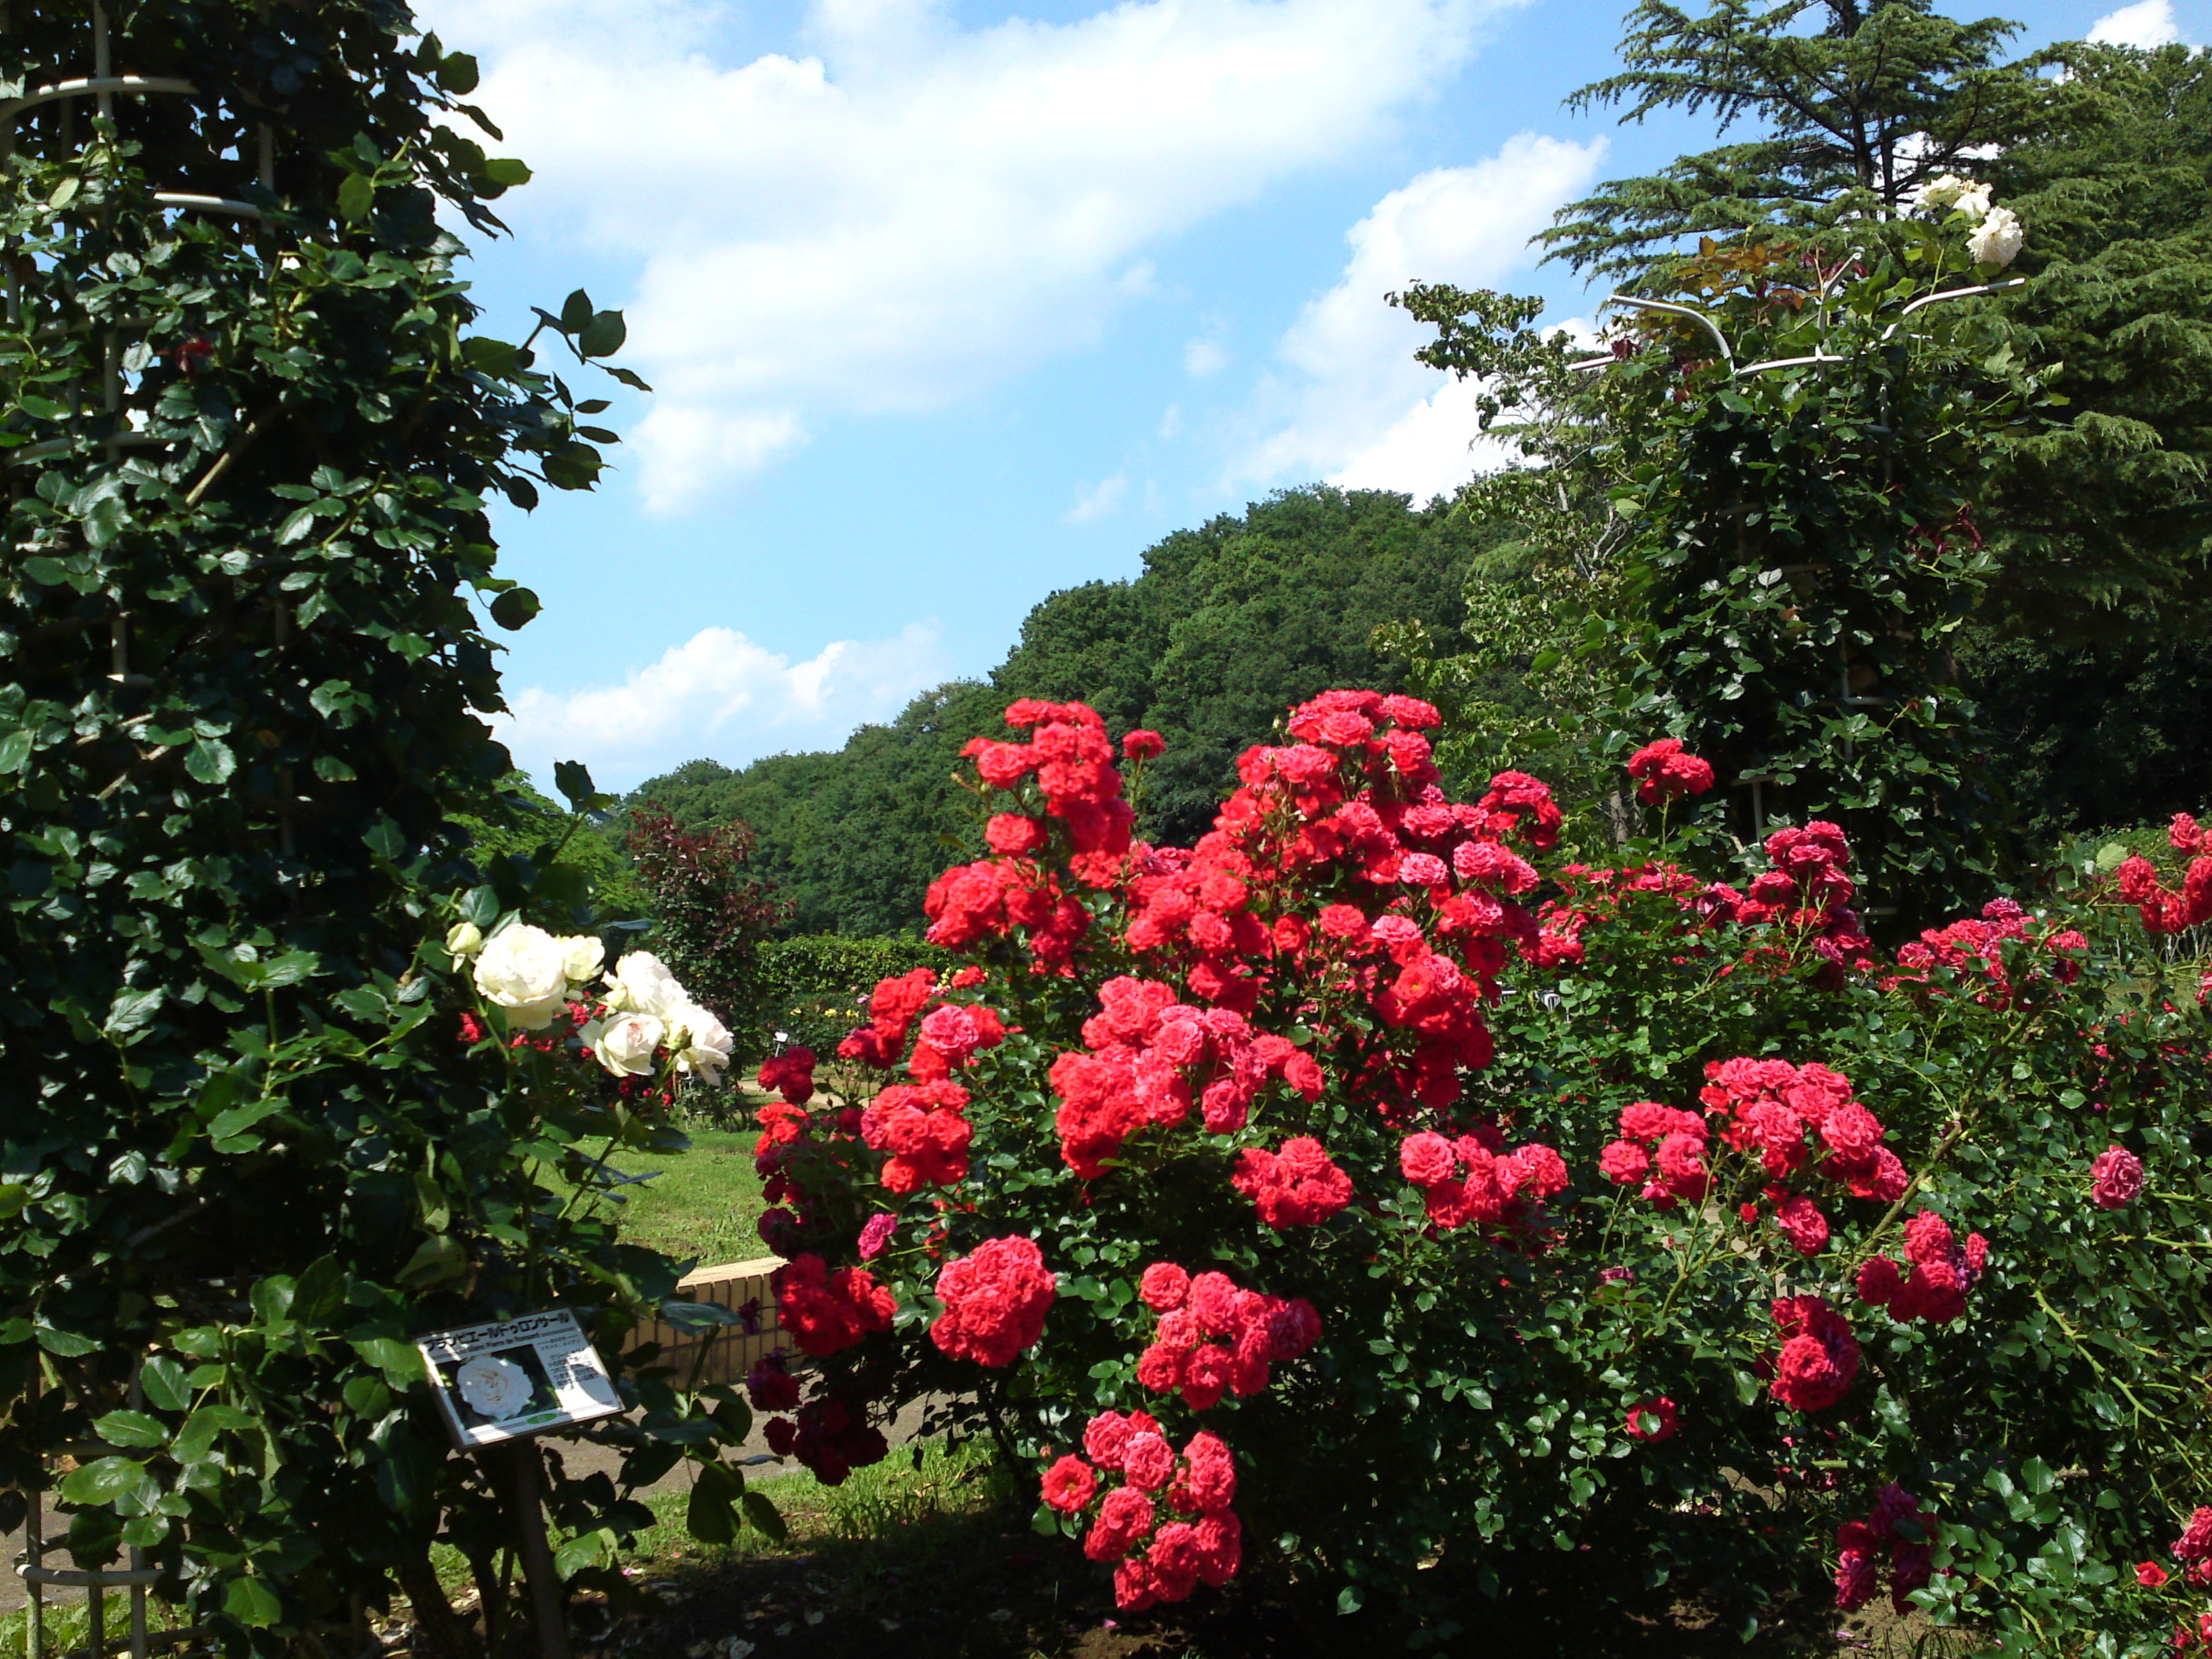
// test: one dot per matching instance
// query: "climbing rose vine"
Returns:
(1386, 1184)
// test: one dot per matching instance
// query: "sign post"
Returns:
(500, 1384)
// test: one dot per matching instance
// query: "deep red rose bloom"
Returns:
(2116, 1177)
(1070, 1485)
(996, 1301)
(1820, 1356)
(1141, 744)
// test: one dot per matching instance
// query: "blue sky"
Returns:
(948, 307)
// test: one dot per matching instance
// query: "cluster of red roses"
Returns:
(2163, 911)
(824, 1311)
(1819, 1356)
(1473, 1178)
(1663, 1147)
(831, 1436)
(1149, 1057)
(1977, 945)
(1071, 760)
(1787, 1114)
(1938, 1273)
(2193, 1549)
(922, 1124)
(1807, 891)
(1665, 772)
(1860, 1545)
(996, 1301)
(1202, 1542)
(1296, 1185)
(790, 1074)
(1215, 1338)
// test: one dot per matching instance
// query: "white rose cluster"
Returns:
(526, 970)
(640, 1010)
(1997, 234)
(644, 1010)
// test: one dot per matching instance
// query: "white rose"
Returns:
(464, 938)
(581, 957)
(1938, 194)
(1974, 204)
(520, 969)
(640, 981)
(625, 1044)
(702, 1043)
(1996, 240)
(495, 1386)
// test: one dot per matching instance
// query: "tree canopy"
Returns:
(2098, 515)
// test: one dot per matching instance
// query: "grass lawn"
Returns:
(702, 1203)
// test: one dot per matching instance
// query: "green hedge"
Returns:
(815, 988)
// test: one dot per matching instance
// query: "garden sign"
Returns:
(517, 1377)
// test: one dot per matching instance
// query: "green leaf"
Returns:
(102, 1481)
(251, 1603)
(603, 335)
(132, 1010)
(574, 780)
(764, 1516)
(272, 1299)
(355, 197)
(457, 74)
(576, 312)
(437, 1261)
(386, 839)
(514, 608)
(130, 1428)
(506, 172)
(211, 761)
(400, 1362)
(707, 1516)
(44, 409)
(163, 1380)
(66, 1345)
(15, 750)
(584, 1550)
(227, 1126)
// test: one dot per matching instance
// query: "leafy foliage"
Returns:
(2097, 522)
(245, 1156)
(1769, 497)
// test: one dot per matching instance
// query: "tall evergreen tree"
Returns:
(1857, 114)
(2097, 516)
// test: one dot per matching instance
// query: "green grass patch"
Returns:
(704, 1203)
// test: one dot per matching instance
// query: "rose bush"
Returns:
(1379, 1189)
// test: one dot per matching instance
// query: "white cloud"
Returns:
(2147, 23)
(916, 209)
(1350, 404)
(1203, 357)
(1098, 501)
(721, 695)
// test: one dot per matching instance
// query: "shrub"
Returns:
(1372, 1186)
